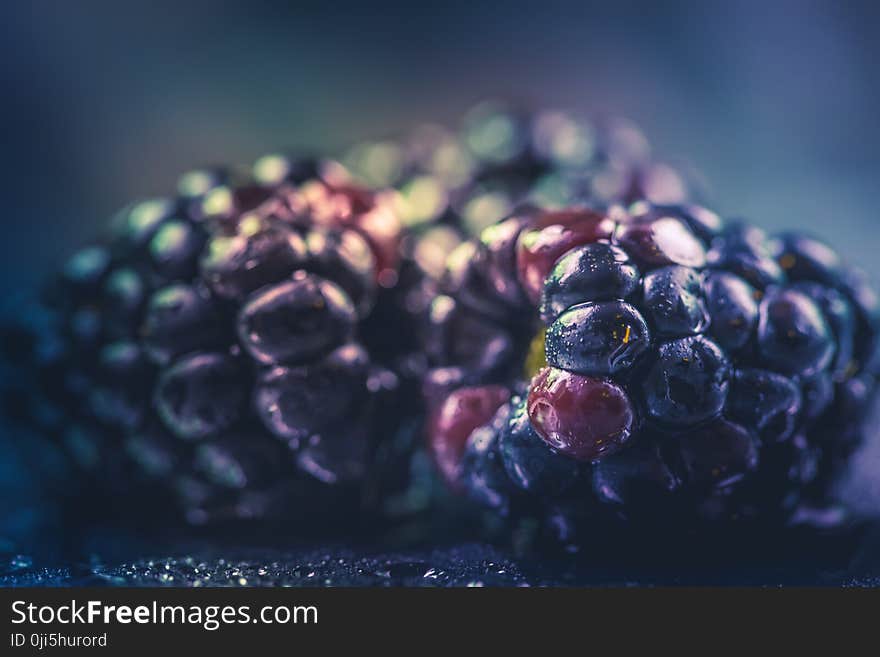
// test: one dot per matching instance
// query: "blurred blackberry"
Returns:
(221, 348)
(648, 365)
(451, 184)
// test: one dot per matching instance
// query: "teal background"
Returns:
(775, 102)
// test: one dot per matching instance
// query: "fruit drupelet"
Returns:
(648, 364)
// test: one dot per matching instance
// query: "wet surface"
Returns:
(466, 565)
(462, 566)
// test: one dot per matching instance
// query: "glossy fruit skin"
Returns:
(743, 250)
(688, 382)
(765, 402)
(581, 417)
(346, 258)
(732, 307)
(468, 280)
(179, 319)
(234, 266)
(531, 463)
(716, 456)
(455, 419)
(175, 248)
(702, 222)
(498, 258)
(805, 258)
(239, 461)
(481, 473)
(334, 459)
(661, 241)
(598, 339)
(841, 318)
(371, 215)
(295, 321)
(201, 395)
(817, 394)
(594, 272)
(675, 301)
(295, 403)
(121, 385)
(457, 333)
(549, 237)
(637, 480)
(125, 293)
(793, 335)
(123, 361)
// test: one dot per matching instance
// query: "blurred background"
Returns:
(776, 103)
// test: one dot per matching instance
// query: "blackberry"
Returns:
(222, 346)
(661, 366)
(451, 184)
(599, 338)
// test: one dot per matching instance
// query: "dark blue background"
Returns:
(776, 101)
